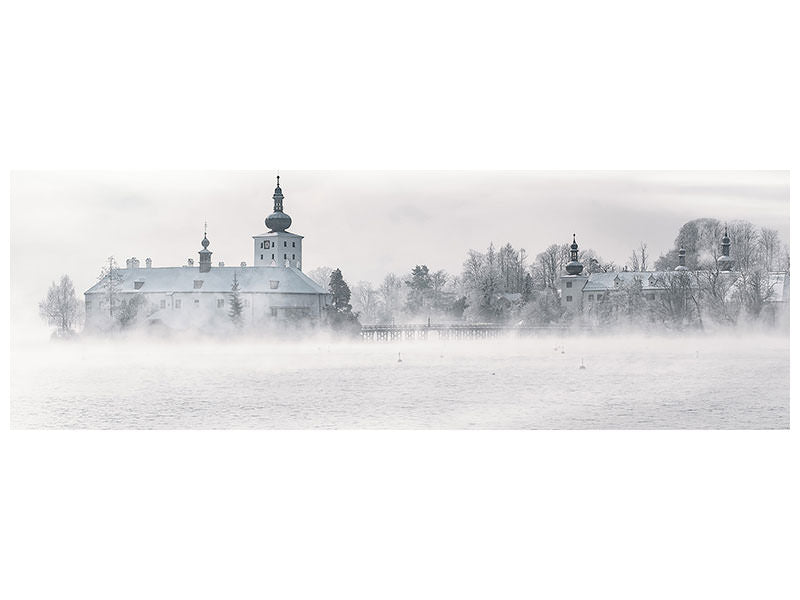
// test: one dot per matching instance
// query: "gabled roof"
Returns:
(218, 279)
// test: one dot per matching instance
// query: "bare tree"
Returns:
(769, 247)
(321, 276)
(111, 279)
(60, 307)
(390, 292)
(643, 256)
(366, 301)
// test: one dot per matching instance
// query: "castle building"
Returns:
(581, 291)
(194, 297)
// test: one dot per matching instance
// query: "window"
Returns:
(273, 244)
(177, 303)
(599, 297)
(651, 296)
(220, 303)
(292, 244)
(246, 302)
(569, 298)
(273, 256)
(284, 257)
(262, 257)
(284, 244)
(273, 284)
(292, 256)
(569, 284)
(138, 285)
(163, 304)
(88, 305)
(197, 303)
(273, 311)
(591, 297)
(198, 283)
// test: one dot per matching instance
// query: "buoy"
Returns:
(398, 358)
(582, 365)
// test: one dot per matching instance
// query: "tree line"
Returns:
(507, 285)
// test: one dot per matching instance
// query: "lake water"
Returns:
(629, 382)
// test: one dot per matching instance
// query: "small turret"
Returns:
(573, 266)
(205, 255)
(278, 220)
(681, 260)
(725, 262)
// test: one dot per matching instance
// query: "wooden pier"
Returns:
(393, 333)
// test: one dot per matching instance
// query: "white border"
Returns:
(575, 85)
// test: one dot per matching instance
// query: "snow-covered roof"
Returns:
(606, 280)
(288, 234)
(654, 280)
(218, 279)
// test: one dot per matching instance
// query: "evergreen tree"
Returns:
(235, 312)
(340, 292)
(419, 287)
(340, 314)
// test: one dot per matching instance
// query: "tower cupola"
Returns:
(278, 220)
(725, 262)
(573, 266)
(681, 260)
(205, 253)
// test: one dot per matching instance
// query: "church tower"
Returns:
(278, 247)
(573, 281)
(725, 262)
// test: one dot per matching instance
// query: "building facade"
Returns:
(202, 296)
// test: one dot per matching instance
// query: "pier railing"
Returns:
(388, 333)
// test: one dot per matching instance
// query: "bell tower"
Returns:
(278, 247)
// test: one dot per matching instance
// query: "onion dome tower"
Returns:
(205, 253)
(278, 220)
(573, 266)
(725, 262)
(681, 260)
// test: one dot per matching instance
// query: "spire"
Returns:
(573, 266)
(726, 243)
(278, 196)
(725, 262)
(278, 220)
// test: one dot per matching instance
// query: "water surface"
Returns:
(629, 382)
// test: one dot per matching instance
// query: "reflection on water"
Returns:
(628, 383)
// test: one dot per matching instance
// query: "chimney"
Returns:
(191, 262)
(148, 262)
(135, 263)
(221, 264)
(127, 263)
(242, 264)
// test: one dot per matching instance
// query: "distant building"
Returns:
(582, 292)
(197, 296)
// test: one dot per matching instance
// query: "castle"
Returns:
(195, 296)
(584, 292)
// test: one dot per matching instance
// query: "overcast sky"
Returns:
(366, 223)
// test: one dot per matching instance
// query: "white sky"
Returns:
(368, 223)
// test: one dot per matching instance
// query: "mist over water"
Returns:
(629, 382)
